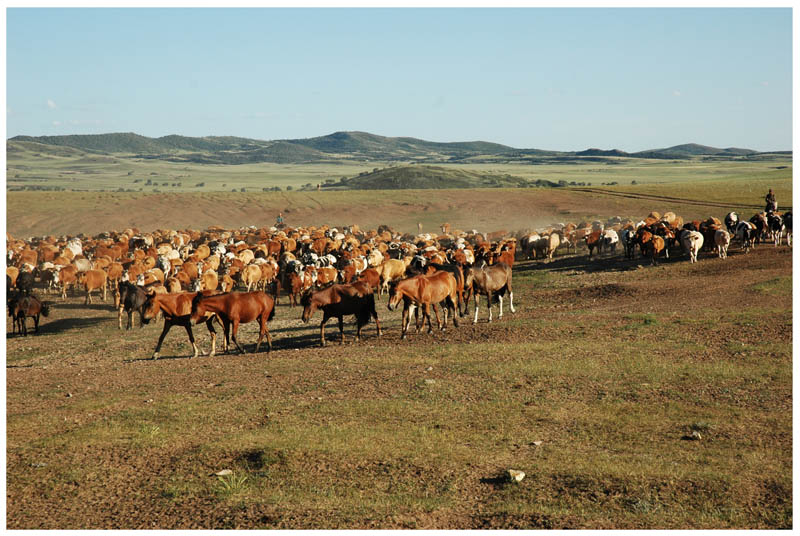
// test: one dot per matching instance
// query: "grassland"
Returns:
(593, 389)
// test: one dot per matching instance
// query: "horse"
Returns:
(235, 308)
(422, 291)
(176, 309)
(340, 300)
(494, 280)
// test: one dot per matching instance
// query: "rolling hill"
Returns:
(338, 147)
(431, 177)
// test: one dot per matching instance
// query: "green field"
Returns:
(31, 166)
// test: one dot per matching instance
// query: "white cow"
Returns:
(722, 239)
(692, 241)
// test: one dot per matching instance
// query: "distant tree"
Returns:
(330, 181)
(242, 189)
(199, 185)
(289, 188)
(562, 182)
(265, 189)
(164, 184)
(634, 182)
(148, 183)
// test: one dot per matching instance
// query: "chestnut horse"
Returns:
(235, 308)
(176, 309)
(340, 300)
(422, 291)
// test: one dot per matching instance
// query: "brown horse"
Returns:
(494, 280)
(458, 273)
(235, 308)
(423, 291)
(176, 309)
(340, 300)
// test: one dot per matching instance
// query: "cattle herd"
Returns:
(237, 276)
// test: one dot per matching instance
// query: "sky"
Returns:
(557, 79)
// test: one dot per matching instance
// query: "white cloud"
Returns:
(765, 84)
(676, 93)
(51, 104)
(56, 123)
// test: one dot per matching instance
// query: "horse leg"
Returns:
(500, 298)
(405, 321)
(511, 300)
(475, 320)
(325, 318)
(188, 326)
(234, 330)
(374, 314)
(427, 314)
(213, 333)
(262, 321)
(119, 317)
(451, 304)
(489, 304)
(341, 328)
(167, 326)
(36, 323)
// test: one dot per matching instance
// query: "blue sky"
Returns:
(562, 79)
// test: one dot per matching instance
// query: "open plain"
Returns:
(594, 388)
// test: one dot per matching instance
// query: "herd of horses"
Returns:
(426, 273)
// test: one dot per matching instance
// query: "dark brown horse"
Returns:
(341, 300)
(424, 291)
(176, 309)
(494, 280)
(235, 308)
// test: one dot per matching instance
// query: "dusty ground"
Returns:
(353, 436)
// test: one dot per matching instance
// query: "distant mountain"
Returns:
(344, 146)
(695, 149)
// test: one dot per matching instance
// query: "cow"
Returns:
(775, 226)
(339, 301)
(787, 223)
(93, 280)
(731, 221)
(29, 306)
(692, 241)
(722, 239)
(745, 232)
(593, 240)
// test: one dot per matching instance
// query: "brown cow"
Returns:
(93, 280)
(67, 277)
(29, 306)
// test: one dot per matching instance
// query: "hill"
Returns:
(431, 177)
(343, 146)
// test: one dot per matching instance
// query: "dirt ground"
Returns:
(101, 436)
